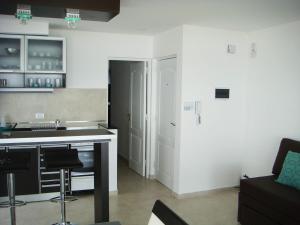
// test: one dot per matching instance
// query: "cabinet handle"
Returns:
(50, 185)
(54, 180)
(45, 173)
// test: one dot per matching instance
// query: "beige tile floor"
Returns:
(133, 204)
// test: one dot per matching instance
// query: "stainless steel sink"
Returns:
(43, 126)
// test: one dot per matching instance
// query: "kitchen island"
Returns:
(100, 138)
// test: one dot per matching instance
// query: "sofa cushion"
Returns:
(280, 198)
(290, 173)
(285, 146)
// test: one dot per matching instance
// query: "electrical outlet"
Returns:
(39, 116)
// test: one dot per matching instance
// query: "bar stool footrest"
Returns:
(7, 204)
(67, 199)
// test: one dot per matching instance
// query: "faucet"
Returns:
(57, 123)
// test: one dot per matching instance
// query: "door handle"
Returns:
(173, 124)
(129, 117)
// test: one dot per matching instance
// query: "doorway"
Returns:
(127, 110)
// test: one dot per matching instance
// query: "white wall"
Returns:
(167, 44)
(242, 134)
(239, 135)
(13, 26)
(88, 54)
(210, 153)
(273, 105)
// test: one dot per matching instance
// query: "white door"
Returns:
(137, 117)
(166, 121)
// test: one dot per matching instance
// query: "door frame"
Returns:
(148, 111)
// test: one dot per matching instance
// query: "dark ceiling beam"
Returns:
(95, 10)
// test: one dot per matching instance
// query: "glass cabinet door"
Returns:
(11, 53)
(45, 55)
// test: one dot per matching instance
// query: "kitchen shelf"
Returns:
(43, 72)
(46, 57)
(32, 81)
(26, 90)
(53, 50)
(9, 71)
(39, 61)
(8, 55)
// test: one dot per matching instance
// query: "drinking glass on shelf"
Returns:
(57, 64)
(48, 83)
(49, 65)
(35, 84)
(43, 65)
(39, 82)
(38, 67)
(3, 82)
(30, 82)
(57, 82)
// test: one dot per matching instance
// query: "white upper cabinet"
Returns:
(45, 55)
(12, 53)
(32, 62)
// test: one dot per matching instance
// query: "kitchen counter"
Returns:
(99, 137)
(53, 136)
(64, 125)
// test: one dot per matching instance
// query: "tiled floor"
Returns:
(133, 204)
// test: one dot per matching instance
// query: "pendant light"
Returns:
(23, 13)
(72, 17)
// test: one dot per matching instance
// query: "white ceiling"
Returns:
(154, 16)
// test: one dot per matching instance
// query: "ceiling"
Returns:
(154, 16)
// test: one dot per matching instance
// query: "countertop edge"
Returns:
(52, 139)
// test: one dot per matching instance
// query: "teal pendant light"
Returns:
(23, 13)
(72, 17)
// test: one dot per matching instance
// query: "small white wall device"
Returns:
(194, 108)
(198, 112)
(189, 106)
(253, 51)
(231, 49)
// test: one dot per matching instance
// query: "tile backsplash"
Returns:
(62, 104)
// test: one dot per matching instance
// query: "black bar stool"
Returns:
(62, 159)
(11, 163)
